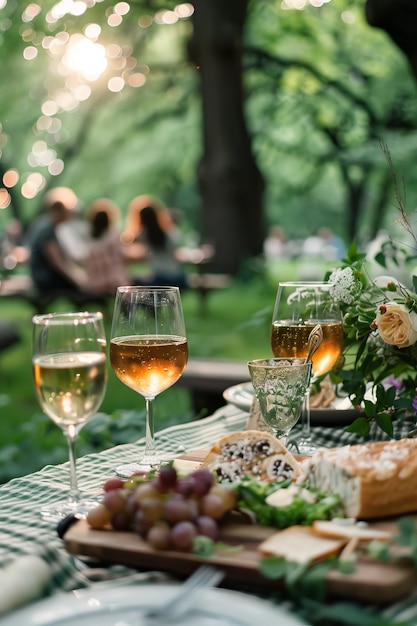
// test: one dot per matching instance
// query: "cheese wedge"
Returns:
(186, 466)
(349, 531)
(299, 544)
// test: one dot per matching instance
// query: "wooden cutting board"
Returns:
(371, 581)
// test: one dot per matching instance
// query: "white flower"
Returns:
(343, 286)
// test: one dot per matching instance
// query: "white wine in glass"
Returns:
(299, 306)
(148, 353)
(70, 375)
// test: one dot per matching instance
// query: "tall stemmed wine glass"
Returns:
(70, 375)
(148, 352)
(299, 306)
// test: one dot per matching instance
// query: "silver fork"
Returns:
(204, 577)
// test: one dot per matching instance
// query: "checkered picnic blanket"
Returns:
(23, 531)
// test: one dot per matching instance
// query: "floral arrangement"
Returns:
(380, 323)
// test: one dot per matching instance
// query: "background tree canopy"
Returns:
(107, 98)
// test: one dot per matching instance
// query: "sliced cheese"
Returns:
(300, 544)
(285, 496)
(349, 531)
(184, 465)
(282, 497)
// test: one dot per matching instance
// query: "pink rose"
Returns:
(396, 324)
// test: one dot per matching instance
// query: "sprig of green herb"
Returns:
(252, 494)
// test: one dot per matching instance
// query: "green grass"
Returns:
(236, 326)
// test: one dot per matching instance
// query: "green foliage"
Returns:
(252, 495)
(383, 362)
(318, 81)
(321, 88)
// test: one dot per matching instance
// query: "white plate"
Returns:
(241, 396)
(340, 412)
(123, 606)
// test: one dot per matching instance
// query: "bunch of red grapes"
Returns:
(166, 510)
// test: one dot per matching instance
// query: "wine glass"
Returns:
(148, 352)
(299, 306)
(280, 386)
(70, 375)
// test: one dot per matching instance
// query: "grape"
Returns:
(176, 509)
(113, 483)
(193, 508)
(132, 504)
(212, 505)
(207, 526)
(159, 536)
(167, 511)
(186, 486)
(115, 500)
(227, 495)
(121, 520)
(146, 490)
(98, 516)
(167, 477)
(152, 509)
(131, 483)
(203, 479)
(183, 534)
(140, 525)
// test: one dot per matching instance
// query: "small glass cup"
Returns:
(280, 385)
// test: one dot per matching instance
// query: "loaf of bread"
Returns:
(251, 452)
(374, 480)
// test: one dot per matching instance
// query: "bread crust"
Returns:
(374, 480)
(253, 452)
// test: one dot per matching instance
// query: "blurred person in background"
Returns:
(72, 232)
(13, 252)
(106, 259)
(50, 266)
(155, 239)
(275, 244)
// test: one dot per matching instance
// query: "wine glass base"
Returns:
(144, 465)
(306, 447)
(60, 510)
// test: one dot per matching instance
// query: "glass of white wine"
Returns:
(148, 353)
(299, 306)
(70, 375)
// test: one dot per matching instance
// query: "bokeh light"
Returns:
(10, 178)
(33, 185)
(30, 53)
(122, 8)
(85, 57)
(31, 11)
(5, 198)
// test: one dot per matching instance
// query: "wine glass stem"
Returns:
(150, 426)
(74, 495)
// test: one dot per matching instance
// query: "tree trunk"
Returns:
(230, 183)
(380, 204)
(399, 19)
(355, 196)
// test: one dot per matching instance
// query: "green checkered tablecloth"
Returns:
(24, 532)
